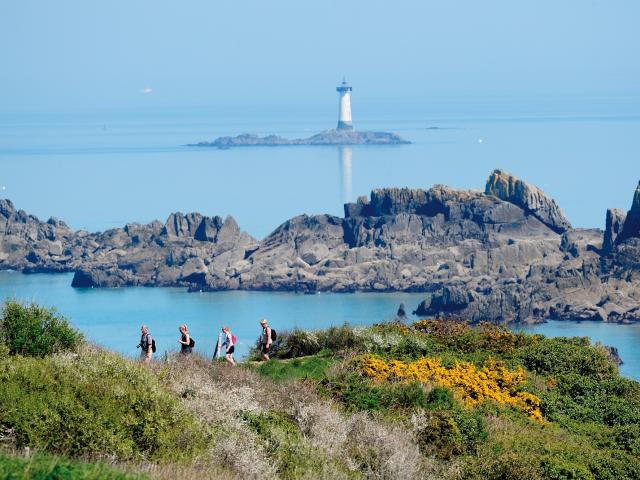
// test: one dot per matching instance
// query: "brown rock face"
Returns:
(529, 197)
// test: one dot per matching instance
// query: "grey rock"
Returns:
(613, 227)
(631, 227)
(504, 256)
(533, 200)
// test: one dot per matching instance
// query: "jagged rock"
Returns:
(631, 227)
(208, 229)
(613, 354)
(614, 225)
(182, 226)
(533, 200)
(494, 256)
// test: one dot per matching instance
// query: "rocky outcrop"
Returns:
(328, 137)
(533, 200)
(185, 249)
(504, 255)
(631, 227)
(613, 227)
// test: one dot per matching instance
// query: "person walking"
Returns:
(266, 339)
(147, 344)
(230, 345)
(186, 342)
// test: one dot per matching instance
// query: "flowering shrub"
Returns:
(465, 338)
(471, 384)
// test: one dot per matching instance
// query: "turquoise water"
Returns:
(112, 317)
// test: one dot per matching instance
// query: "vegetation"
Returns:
(505, 405)
(46, 467)
(430, 400)
(93, 403)
(35, 331)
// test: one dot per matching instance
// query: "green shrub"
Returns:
(451, 432)
(93, 403)
(337, 338)
(35, 331)
(557, 470)
(45, 467)
(292, 455)
(553, 356)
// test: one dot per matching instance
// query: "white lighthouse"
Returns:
(344, 106)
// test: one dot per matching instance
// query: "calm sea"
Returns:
(102, 169)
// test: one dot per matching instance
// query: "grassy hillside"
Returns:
(430, 400)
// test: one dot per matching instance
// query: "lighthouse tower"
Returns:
(344, 106)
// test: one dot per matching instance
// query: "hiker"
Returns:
(230, 345)
(147, 344)
(186, 342)
(266, 339)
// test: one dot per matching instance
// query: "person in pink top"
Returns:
(229, 343)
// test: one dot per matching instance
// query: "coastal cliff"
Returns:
(503, 254)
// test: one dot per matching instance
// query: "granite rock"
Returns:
(529, 197)
(503, 255)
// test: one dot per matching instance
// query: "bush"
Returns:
(93, 403)
(35, 331)
(301, 343)
(554, 356)
(292, 455)
(449, 432)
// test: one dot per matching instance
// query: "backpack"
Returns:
(192, 342)
(153, 345)
(233, 339)
(274, 335)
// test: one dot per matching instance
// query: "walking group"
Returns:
(226, 341)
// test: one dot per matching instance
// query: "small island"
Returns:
(343, 134)
(328, 137)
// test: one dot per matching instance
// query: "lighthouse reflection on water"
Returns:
(346, 171)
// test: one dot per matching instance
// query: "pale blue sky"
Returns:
(87, 54)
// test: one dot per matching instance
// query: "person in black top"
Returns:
(265, 339)
(186, 346)
(146, 343)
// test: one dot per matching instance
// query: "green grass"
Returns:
(47, 467)
(314, 367)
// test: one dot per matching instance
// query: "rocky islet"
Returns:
(505, 254)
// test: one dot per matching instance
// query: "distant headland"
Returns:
(343, 134)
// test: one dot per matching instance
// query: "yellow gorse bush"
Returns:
(472, 385)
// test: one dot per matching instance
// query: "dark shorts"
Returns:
(186, 350)
(231, 350)
(264, 349)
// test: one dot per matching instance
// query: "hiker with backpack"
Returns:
(230, 345)
(266, 339)
(186, 342)
(147, 344)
